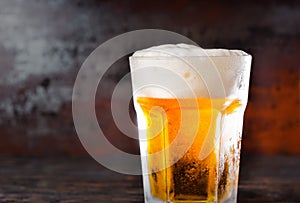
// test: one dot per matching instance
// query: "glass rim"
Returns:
(178, 57)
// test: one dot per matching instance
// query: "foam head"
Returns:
(187, 71)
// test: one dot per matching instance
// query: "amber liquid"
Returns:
(196, 176)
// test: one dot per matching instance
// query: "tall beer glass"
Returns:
(190, 104)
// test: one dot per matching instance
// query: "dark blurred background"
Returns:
(44, 43)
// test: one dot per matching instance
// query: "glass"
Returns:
(190, 115)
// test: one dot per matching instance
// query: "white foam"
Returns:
(186, 50)
(183, 70)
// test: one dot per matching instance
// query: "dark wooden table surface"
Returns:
(262, 179)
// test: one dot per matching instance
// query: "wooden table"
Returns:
(262, 179)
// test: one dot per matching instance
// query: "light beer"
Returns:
(190, 179)
(190, 104)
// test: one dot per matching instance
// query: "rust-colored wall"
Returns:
(43, 44)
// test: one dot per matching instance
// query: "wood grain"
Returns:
(262, 179)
